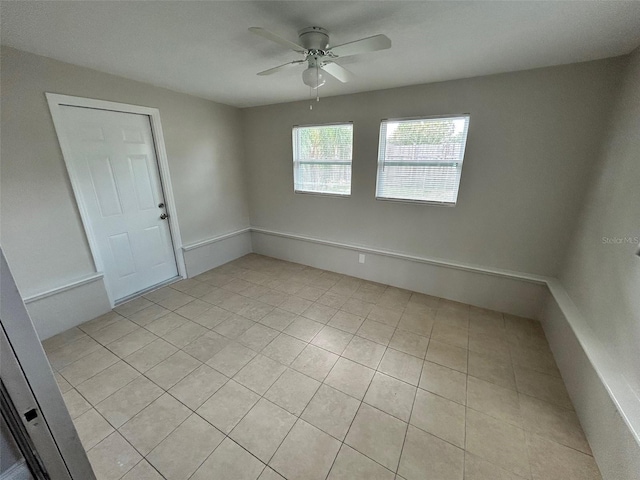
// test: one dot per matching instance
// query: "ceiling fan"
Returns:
(313, 43)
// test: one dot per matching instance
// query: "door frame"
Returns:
(56, 101)
(31, 384)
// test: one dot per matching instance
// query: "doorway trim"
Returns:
(56, 101)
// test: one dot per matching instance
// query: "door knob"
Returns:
(163, 216)
(161, 205)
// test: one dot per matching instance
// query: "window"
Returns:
(322, 159)
(420, 160)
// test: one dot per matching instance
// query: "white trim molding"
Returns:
(215, 251)
(58, 309)
(209, 241)
(56, 101)
(507, 291)
(94, 277)
(625, 398)
(606, 404)
(528, 277)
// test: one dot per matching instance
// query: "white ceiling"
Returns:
(204, 48)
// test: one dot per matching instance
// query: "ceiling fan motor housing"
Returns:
(314, 38)
(313, 44)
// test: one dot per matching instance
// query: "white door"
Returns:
(114, 161)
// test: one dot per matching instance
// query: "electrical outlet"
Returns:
(361, 258)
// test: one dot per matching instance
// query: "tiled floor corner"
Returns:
(265, 369)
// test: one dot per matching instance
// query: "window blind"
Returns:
(322, 157)
(420, 160)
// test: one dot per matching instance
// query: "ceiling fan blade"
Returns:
(276, 38)
(281, 67)
(338, 72)
(365, 45)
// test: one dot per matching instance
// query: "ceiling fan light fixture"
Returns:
(313, 77)
(314, 45)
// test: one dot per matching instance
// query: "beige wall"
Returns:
(603, 279)
(532, 140)
(41, 229)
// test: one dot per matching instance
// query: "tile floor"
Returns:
(268, 369)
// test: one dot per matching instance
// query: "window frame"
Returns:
(297, 163)
(382, 142)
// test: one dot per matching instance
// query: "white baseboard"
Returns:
(608, 408)
(506, 291)
(202, 256)
(18, 471)
(67, 306)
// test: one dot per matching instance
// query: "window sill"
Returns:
(417, 202)
(322, 194)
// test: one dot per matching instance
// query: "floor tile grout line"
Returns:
(116, 430)
(360, 406)
(406, 433)
(144, 373)
(362, 401)
(526, 443)
(322, 383)
(335, 458)
(148, 463)
(141, 459)
(225, 436)
(173, 311)
(343, 441)
(309, 343)
(466, 406)
(248, 411)
(298, 418)
(415, 395)
(243, 448)
(192, 412)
